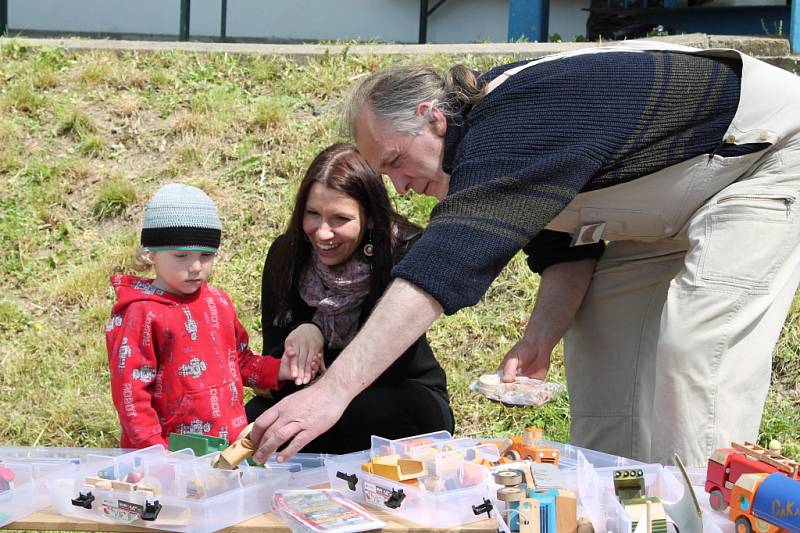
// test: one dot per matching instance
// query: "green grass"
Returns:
(86, 138)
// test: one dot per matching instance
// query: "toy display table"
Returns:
(49, 520)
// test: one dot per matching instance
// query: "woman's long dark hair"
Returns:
(342, 168)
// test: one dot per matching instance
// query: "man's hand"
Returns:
(526, 358)
(403, 314)
(304, 346)
(301, 417)
(561, 291)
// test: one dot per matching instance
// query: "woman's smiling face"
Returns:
(334, 224)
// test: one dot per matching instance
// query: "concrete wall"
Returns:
(454, 21)
(151, 17)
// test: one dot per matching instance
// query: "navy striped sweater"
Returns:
(549, 132)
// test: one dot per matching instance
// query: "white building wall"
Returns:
(294, 20)
(152, 17)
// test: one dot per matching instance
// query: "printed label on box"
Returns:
(122, 511)
(376, 495)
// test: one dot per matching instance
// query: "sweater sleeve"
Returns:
(132, 363)
(551, 247)
(476, 230)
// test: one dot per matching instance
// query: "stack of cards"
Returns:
(322, 510)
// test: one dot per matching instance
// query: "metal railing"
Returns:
(185, 17)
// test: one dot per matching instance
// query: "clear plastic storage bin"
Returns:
(569, 457)
(595, 490)
(173, 491)
(24, 472)
(452, 491)
(307, 470)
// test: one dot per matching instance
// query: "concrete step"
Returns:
(772, 49)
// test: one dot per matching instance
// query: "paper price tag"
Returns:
(588, 234)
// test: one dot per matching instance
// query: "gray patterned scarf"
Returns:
(337, 293)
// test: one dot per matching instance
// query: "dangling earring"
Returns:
(368, 248)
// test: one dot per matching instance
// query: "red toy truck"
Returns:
(726, 465)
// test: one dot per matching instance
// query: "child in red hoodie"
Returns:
(177, 353)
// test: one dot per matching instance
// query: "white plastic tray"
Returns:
(32, 467)
(187, 493)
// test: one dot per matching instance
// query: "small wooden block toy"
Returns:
(585, 525)
(566, 512)
(123, 486)
(200, 444)
(394, 468)
(530, 514)
(99, 482)
(231, 457)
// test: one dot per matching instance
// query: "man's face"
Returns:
(412, 161)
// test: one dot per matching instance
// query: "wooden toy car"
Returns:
(524, 447)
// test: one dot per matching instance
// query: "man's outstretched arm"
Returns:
(401, 316)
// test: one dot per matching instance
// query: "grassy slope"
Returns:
(86, 138)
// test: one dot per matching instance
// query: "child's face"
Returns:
(181, 272)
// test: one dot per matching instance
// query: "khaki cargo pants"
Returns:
(671, 350)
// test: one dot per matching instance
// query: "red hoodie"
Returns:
(177, 363)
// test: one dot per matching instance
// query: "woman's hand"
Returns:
(302, 351)
(286, 368)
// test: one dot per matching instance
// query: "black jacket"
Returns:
(417, 363)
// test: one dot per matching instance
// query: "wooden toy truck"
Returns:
(726, 465)
(630, 489)
(765, 503)
(524, 447)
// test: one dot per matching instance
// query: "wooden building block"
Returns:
(566, 512)
(529, 516)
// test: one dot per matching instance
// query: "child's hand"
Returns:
(302, 354)
(316, 366)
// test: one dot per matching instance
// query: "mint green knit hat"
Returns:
(181, 217)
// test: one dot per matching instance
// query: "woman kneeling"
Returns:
(322, 278)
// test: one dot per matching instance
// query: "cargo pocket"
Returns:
(745, 236)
